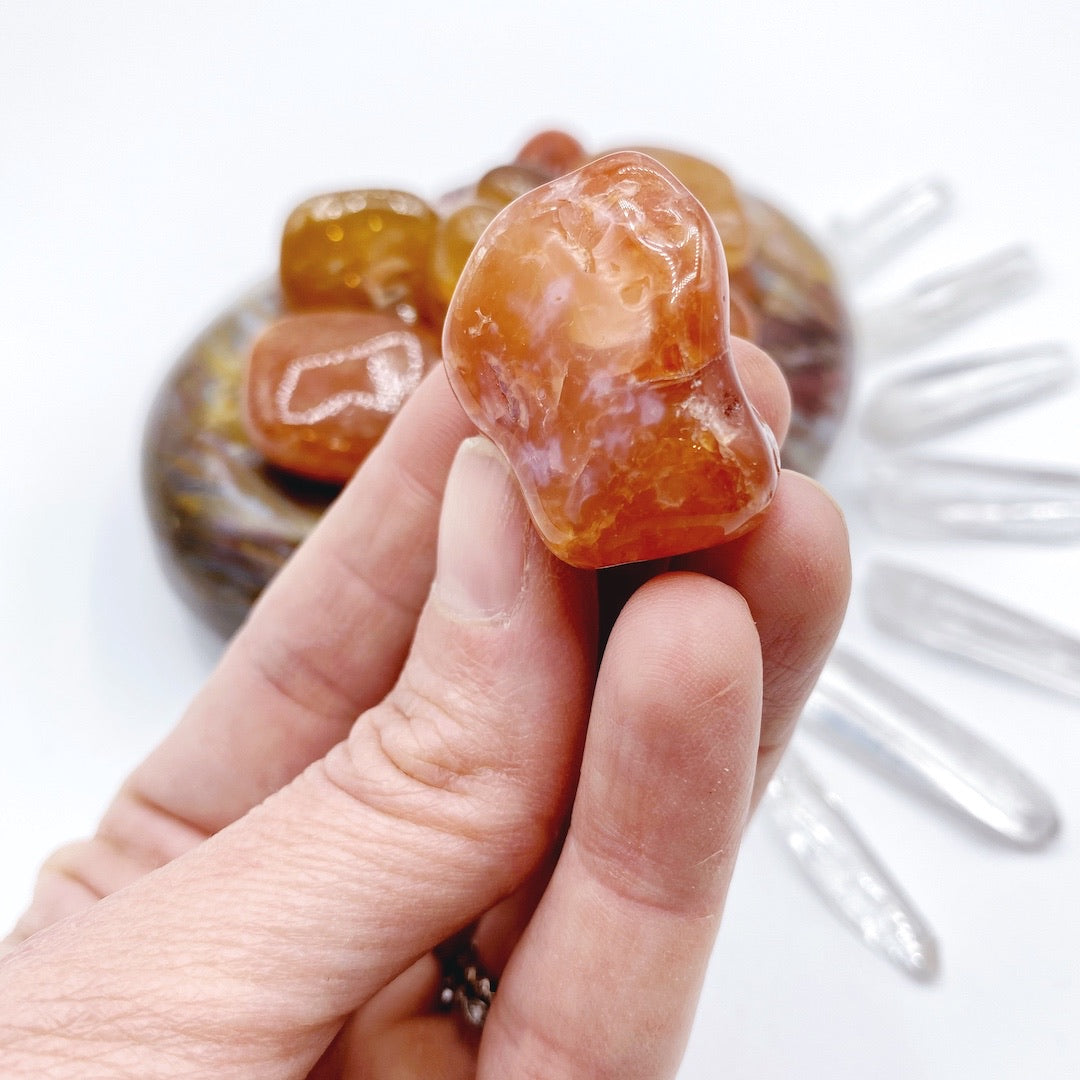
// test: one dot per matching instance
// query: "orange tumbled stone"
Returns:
(505, 183)
(321, 387)
(361, 249)
(552, 152)
(454, 240)
(588, 337)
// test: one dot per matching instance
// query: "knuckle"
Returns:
(432, 743)
(437, 736)
(427, 762)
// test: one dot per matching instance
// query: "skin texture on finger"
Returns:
(794, 571)
(605, 980)
(369, 1045)
(325, 642)
(396, 1036)
(245, 955)
(415, 1048)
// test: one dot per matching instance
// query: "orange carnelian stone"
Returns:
(455, 239)
(505, 183)
(552, 153)
(362, 249)
(321, 387)
(588, 337)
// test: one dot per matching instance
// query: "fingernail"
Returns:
(481, 556)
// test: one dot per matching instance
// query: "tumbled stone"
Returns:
(454, 241)
(322, 387)
(358, 249)
(553, 153)
(588, 338)
(505, 183)
(223, 523)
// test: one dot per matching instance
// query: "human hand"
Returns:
(277, 873)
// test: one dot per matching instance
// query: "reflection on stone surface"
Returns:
(712, 187)
(588, 338)
(322, 386)
(225, 519)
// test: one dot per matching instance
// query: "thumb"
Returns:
(245, 954)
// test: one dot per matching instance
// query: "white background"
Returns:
(148, 156)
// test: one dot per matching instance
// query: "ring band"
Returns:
(465, 987)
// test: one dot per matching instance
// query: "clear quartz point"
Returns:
(845, 872)
(940, 303)
(931, 498)
(945, 396)
(862, 711)
(954, 620)
(875, 237)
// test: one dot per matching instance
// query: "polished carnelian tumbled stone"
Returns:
(588, 337)
(362, 249)
(552, 152)
(454, 241)
(505, 183)
(321, 387)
